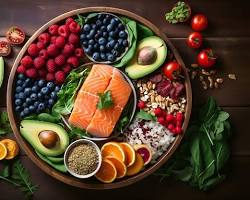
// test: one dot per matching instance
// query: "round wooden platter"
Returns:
(92, 183)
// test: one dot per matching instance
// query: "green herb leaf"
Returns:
(122, 123)
(77, 133)
(80, 20)
(222, 153)
(145, 115)
(105, 100)
(4, 124)
(179, 13)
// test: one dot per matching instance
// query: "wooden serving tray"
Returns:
(92, 183)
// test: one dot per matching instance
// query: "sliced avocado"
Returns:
(1, 70)
(55, 159)
(30, 130)
(136, 70)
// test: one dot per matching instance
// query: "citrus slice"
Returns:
(119, 165)
(145, 151)
(107, 172)
(3, 151)
(129, 153)
(113, 149)
(137, 166)
(12, 148)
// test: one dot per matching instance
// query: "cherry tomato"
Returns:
(194, 40)
(199, 22)
(206, 58)
(4, 48)
(172, 70)
(15, 35)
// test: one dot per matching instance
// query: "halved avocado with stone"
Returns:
(47, 138)
(150, 54)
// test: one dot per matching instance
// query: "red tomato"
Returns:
(206, 58)
(15, 35)
(172, 70)
(199, 22)
(4, 48)
(194, 40)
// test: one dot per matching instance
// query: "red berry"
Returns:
(66, 68)
(50, 77)
(63, 31)
(31, 73)
(74, 27)
(179, 116)
(161, 120)
(43, 54)
(73, 61)
(51, 65)
(69, 20)
(52, 50)
(79, 52)
(53, 40)
(178, 130)
(68, 50)
(60, 77)
(169, 118)
(60, 42)
(73, 39)
(39, 62)
(27, 61)
(178, 123)
(44, 38)
(158, 112)
(33, 50)
(141, 104)
(60, 60)
(53, 29)
(40, 45)
(170, 127)
(20, 69)
(42, 73)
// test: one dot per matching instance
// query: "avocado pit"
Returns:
(48, 138)
(147, 55)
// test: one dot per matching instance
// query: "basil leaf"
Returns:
(145, 115)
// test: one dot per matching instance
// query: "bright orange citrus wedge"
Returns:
(129, 153)
(137, 166)
(119, 165)
(107, 172)
(3, 151)
(113, 149)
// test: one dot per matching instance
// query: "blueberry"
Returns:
(121, 26)
(41, 83)
(90, 47)
(19, 89)
(97, 36)
(103, 56)
(105, 34)
(100, 16)
(44, 90)
(125, 43)
(22, 114)
(96, 46)
(102, 41)
(103, 28)
(51, 101)
(50, 85)
(82, 36)
(113, 21)
(108, 17)
(53, 95)
(96, 56)
(98, 23)
(102, 48)
(22, 95)
(34, 96)
(26, 111)
(18, 102)
(120, 40)
(18, 108)
(110, 27)
(32, 108)
(94, 27)
(115, 53)
(19, 82)
(112, 34)
(85, 43)
(41, 106)
(117, 46)
(57, 88)
(86, 27)
(35, 88)
(91, 42)
(111, 58)
(46, 97)
(21, 76)
(110, 38)
(28, 101)
(25, 105)
(122, 34)
(87, 51)
(105, 21)
(91, 34)
(111, 44)
(40, 95)
(27, 91)
(28, 81)
(16, 96)
(36, 103)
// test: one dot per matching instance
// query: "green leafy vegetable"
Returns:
(145, 115)
(204, 151)
(105, 100)
(77, 133)
(80, 20)
(4, 124)
(143, 31)
(122, 123)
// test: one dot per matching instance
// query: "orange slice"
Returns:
(3, 151)
(107, 172)
(12, 148)
(119, 165)
(137, 166)
(129, 153)
(113, 149)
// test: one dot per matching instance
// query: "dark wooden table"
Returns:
(228, 34)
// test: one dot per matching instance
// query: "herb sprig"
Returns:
(105, 100)
(4, 124)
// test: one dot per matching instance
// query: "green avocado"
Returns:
(154, 57)
(1, 70)
(30, 130)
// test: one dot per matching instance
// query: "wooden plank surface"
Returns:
(228, 34)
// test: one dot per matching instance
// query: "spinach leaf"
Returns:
(105, 100)
(4, 124)
(143, 31)
(145, 115)
(222, 153)
(77, 133)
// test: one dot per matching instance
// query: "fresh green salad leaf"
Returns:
(80, 20)
(145, 115)
(204, 151)
(4, 124)
(105, 100)
(122, 123)
(77, 133)
(179, 13)
(143, 31)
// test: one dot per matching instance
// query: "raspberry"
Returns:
(73, 39)
(60, 60)
(60, 42)
(39, 62)
(51, 65)
(169, 117)
(171, 127)
(33, 50)
(27, 61)
(161, 120)
(43, 54)
(60, 77)
(31, 73)
(44, 38)
(79, 52)
(68, 50)
(141, 104)
(73, 61)
(40, 45)
(69, 20)
(42, 73)
(20, 69)
(53, 29)
(74, 27)
(66, 68)
(52, 50)
(179, 117)
(63, 31)
(53, 40)
(158, 112)
(50, 77)
(178, 130)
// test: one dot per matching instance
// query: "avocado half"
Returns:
(135, 70)
(30, 130)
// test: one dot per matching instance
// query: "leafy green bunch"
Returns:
(179, 13)
(4, 124)
(204, 151)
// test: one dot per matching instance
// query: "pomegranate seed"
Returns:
(179, 116)
(141, 104)
(158, 112)
(178, 130)
(170, 127)
(169, 118)
(161, 120)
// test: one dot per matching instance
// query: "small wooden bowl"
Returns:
(92, 183)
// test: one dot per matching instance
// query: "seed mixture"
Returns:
(83, 159)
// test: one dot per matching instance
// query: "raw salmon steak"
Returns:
(85, 115)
